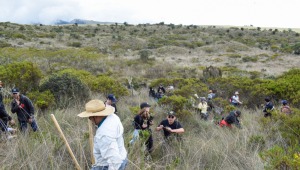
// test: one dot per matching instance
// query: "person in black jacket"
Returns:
(161, 89)
(4, 117)
(23, 106)
(232, 118)
(142, 121)
(268, 108)
(170, 126)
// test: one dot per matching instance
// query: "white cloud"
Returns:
(272, 13)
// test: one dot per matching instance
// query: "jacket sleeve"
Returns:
(14, 107)
(237, 123)
(3, 113)
(137, 122)
(29, 105)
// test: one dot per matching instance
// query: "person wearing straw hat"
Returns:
(24, 108)
(109, 150)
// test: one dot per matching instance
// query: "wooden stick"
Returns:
(91, 140)
(66, 142)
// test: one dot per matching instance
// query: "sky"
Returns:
(258, 13)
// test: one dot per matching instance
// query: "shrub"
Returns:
(43, 100)
(66, 89)
(174, 102)
(249, 59)
(279, 158)
(4, 44)
(106, 85)
(24, 75)
(234, 55)
(144, 55)
(75, 44)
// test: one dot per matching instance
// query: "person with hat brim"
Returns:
(232, 118)
(285, 108)
(170, 126)
(24, 108)
(235, 99)
(142, 121)
(109, 150)
(111, 100)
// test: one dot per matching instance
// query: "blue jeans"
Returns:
(122, 167)
(135, 136)
(23, 125)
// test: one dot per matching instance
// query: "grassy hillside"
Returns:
(90, 61)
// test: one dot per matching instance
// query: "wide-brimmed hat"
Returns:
(96, 108)
(236, 92)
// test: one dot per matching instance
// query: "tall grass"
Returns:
(204, 145)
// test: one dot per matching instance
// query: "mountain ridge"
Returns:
(80, 21)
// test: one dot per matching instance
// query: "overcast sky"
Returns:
(259, 13)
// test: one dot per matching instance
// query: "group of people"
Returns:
(109, 149)
(161, 91)
(143, 120)
(206, 105)
(22, 106)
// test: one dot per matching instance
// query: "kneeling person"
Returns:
(170, 125)
(232, 118)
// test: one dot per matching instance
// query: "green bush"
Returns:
(24, 75)
(279, 158)
(286, 86)
(66, 89)
(174, 102)
(4, 44)
(43, 100)
(75, 44)
(144, 55)
(250, 59)
(107, 85)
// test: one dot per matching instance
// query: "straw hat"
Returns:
(96, 108)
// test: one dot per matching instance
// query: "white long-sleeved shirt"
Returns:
(235, 99)
(109, 149)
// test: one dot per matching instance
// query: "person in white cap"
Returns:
(235, 99)
(109, 150)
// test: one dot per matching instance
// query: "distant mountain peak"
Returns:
(80, 21)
